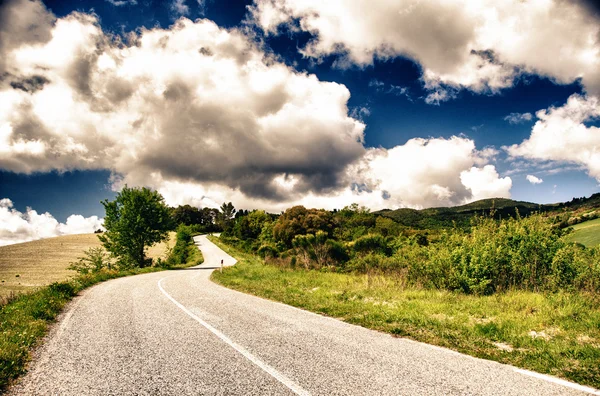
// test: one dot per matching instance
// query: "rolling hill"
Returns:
(586, 233)
(25, 266)
(460, 216)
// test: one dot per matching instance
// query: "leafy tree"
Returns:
(311, 246)
(298, 220)
(186, 214)
(226, 215)
(137, 218)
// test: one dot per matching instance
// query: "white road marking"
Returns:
(274, 373)
(559, 381)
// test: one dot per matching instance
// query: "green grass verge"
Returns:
(586, 233)
(557, 334)
(24, 319)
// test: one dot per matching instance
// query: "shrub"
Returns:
(93, 260)
(179, 253)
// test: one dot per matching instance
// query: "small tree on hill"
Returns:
(137, 218)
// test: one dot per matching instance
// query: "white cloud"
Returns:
(478, 45)
(212, 107)
(486, 183)
(16, 227)
(518, 118)
(119, 3)
(430, 172)
(534, 180)
(205, 116)
(421, 173)
(561, 134)
(180, 8)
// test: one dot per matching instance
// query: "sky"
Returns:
(274, 103)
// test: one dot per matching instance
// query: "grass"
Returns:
(586, 233)
(25, 318)
(27, 266)
(557, 334)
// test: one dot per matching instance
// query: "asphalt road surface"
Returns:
(177, 333)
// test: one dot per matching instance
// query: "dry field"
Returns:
(25, 266)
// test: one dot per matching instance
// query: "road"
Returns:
(177, 333)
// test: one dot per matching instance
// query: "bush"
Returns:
(94, 260)
(371, 263)
(371, 243)
(179, 253)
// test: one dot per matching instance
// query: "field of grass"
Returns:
(26, 266)
(557, 334)
(586, 233)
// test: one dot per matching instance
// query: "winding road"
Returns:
(178, 333)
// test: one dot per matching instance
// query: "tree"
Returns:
(298, 220)
(187, 215)
(137, 218)
(227, 214)
(228, 211)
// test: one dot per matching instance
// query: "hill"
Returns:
(586, 233)
(25, 266)
(460, 216)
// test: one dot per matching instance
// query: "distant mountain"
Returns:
(461, 216)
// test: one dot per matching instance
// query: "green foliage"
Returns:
(185, 252)
(513, 253)
(461, 216)
(371, 243)
(476, 255)
(94, 259)
(179, 253)
(202, 220)
(225, 217)
(137, 218)
(301, 221)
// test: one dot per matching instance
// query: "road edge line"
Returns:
(558, 381)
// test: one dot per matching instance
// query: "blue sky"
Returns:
(432, 104)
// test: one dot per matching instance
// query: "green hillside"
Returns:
(433, 218)
(586, 233)
(569, 212)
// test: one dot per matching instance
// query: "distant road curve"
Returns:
(177, 333)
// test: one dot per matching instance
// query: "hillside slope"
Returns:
(444, 217)
(25, 266)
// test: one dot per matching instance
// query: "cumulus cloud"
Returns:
(518, 118)
(561, 134)
(16, 227)
(421, 173)
(478, 45)
(430, 172)
(534, 180)
(204, 115)
(211, 107)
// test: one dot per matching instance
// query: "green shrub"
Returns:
(93, 260)
(179, 253)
